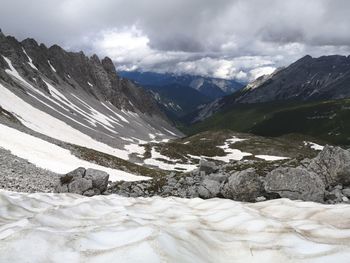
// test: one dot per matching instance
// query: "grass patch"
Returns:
(325, 120)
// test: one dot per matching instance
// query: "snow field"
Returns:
(52, 157)
(70, 228)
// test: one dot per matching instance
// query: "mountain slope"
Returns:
(70, 100)
(323, 78)
(326, 120)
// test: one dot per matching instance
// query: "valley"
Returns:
(99, 164)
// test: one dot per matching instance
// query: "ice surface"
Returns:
(71, 228)
(50, 156)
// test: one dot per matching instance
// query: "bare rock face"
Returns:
(243, 186)
(332, 165)
(79, 186)
(209, 189)
(99, 179)
(296, 184)
(84, 182)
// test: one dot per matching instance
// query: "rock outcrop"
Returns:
(244, 185)
(296, 184)
(83, 181)
(332, 165)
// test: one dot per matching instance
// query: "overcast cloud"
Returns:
(239, 39)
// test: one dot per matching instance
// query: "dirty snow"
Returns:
(50, 156)
(70, 228)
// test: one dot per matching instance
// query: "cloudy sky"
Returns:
(236, 39)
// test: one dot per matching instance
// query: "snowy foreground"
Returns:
(71, 228)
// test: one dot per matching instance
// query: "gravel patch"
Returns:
(17, 174)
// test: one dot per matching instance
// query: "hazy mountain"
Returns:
(323, 78)
(181, 94)
(309, 94)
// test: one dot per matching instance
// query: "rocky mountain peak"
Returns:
(75, 71)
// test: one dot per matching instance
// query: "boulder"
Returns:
(99, 179)
(346, 192)
(332, 165)
(296, 184)
(243, 186)
(79, 186)
(207, 167)
(209, 189)
(84, 182)
(219, 177)
(77, 173)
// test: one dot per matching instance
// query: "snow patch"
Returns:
(314, 146)
(271, 157)
(168, 164)
(50, 156)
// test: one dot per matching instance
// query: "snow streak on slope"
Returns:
(71, 228)
(44, 123)
(50, 156)
(78, 118)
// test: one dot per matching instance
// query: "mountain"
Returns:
(309, 94)
(75, 105)
(181, 94)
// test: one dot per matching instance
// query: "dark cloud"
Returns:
(228, 38)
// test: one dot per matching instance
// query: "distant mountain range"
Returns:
(181, 94)
(309, 96)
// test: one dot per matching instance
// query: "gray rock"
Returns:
(79, 186)
(89, 192)
(219, 177)
(332, 165)
(207, 167)
(75, 174)
(243, 186)
(296, 184)
(209, 189)
(346, 192)
(338, 194)
(61, 188)
(99, 179)
(92, 192)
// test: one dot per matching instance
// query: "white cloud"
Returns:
(226, 38)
